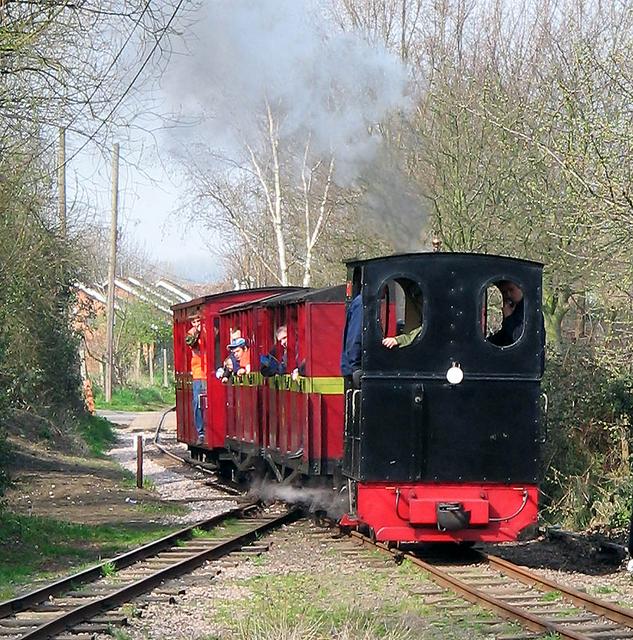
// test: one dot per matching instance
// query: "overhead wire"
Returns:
(96, 88)
(129, 87)
(131, 84)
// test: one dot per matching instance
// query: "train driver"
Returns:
(512, 311)
(405, 339)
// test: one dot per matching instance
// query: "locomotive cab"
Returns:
(442, 431)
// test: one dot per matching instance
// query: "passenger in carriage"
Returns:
(238, 362)
(195, 341)
(239, 348)
(228, 368)
(275, 362)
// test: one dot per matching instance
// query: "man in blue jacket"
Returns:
(352, 342)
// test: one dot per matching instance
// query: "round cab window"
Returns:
(400, 313)
(502, 313)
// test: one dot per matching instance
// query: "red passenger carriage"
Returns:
(214, 404)
(292, 422)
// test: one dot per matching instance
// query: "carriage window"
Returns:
(502, 313)
(400, 312)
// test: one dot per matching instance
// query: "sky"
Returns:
(331, 86)
(149, 199)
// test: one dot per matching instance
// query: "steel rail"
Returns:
(608, 610)
(218, 484)
(474, 595)
(126, 593)
(221, 486)
(15, 605)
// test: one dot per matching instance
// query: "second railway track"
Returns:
(72, 603)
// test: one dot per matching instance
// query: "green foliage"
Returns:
(39, 369)
(38, 352)
(587, 480)
(137, 323)
(137, 398)
(5, 455)
(144, 323)
(98, 433)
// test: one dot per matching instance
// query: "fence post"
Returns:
(139, 461)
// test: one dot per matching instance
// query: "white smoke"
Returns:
(325, 82)
(315, 499)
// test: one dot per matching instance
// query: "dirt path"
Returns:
(68, 487)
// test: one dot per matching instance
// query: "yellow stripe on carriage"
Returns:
(324, 385)
(253, 379)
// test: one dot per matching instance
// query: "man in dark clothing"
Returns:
(513, 311)
(352, 340)
(276, 361)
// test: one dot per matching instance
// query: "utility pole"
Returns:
(112, 274)
(61, 181)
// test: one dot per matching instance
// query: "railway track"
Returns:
(164, 440)
(514, 593)
(80, 603)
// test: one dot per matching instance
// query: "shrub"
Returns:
(586, 458)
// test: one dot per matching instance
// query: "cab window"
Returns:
(400, 313)
(502, 313)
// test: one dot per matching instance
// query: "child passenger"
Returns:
(239, 349)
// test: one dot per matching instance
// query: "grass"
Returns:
(162, 508)
(137, 398)
(128, 480)
(302, 606)
(34, 547)
(259, 560)
(283, 623)
(363, 605)
(604, 590)
(98, 433)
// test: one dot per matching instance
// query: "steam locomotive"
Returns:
(436, 439)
